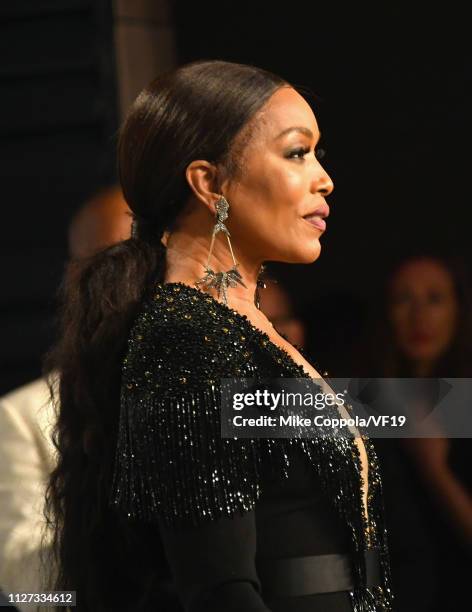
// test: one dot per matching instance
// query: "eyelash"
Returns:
(319, 153)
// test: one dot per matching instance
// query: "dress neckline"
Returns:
(276, 350)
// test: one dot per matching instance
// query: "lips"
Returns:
(316, 217)
(420, 337)
(316, 221)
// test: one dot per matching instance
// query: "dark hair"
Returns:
(377, 352)
(199, 111)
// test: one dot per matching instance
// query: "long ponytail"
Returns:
(98, 300)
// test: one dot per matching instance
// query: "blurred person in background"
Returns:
(276, 304)
(103, 220)
(423, 329)
(27, 418)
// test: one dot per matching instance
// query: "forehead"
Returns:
(422, 272)
(287, 108)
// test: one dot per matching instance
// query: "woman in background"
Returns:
(423, 329)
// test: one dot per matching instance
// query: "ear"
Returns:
(202, 177)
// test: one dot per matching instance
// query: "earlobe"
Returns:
(201, 177)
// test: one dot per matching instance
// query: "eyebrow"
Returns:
(300, 129)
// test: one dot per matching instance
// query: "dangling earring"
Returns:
(221, 280)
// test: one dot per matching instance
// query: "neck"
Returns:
(187, 256)
(422, 369)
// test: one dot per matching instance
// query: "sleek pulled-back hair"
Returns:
(199, 111)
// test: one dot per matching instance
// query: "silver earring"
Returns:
(221, 280)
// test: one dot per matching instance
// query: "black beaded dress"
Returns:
(213, 509)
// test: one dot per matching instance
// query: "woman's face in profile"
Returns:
(281, 184)
(423, 309)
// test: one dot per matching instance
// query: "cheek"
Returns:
(275, 185)
(290, 186)
(399, 317)
(269, 202)
(446, 320)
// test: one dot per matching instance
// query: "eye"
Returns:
(400, 298)
(298, 153)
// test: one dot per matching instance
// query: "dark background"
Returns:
(393, 106)
(58, 115)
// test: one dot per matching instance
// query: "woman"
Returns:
(424, 330)
(217, 161)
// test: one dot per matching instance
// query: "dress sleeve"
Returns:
(213, 565)
(175, 470)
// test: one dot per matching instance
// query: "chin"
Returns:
(302, 253)
(311, 254)
(421, 355)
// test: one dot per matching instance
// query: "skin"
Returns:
(423, 312)
(423, 301)
(279, 185)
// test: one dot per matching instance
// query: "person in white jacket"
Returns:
(26, 459)
(27, 453)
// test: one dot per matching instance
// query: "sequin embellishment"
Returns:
(171, 461)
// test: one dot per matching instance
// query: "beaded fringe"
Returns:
(173, 465)
(206, 478)
(209, 477)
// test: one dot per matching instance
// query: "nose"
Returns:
(328, 188)
(322, 183)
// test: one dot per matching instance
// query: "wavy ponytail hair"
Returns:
(199, 111)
